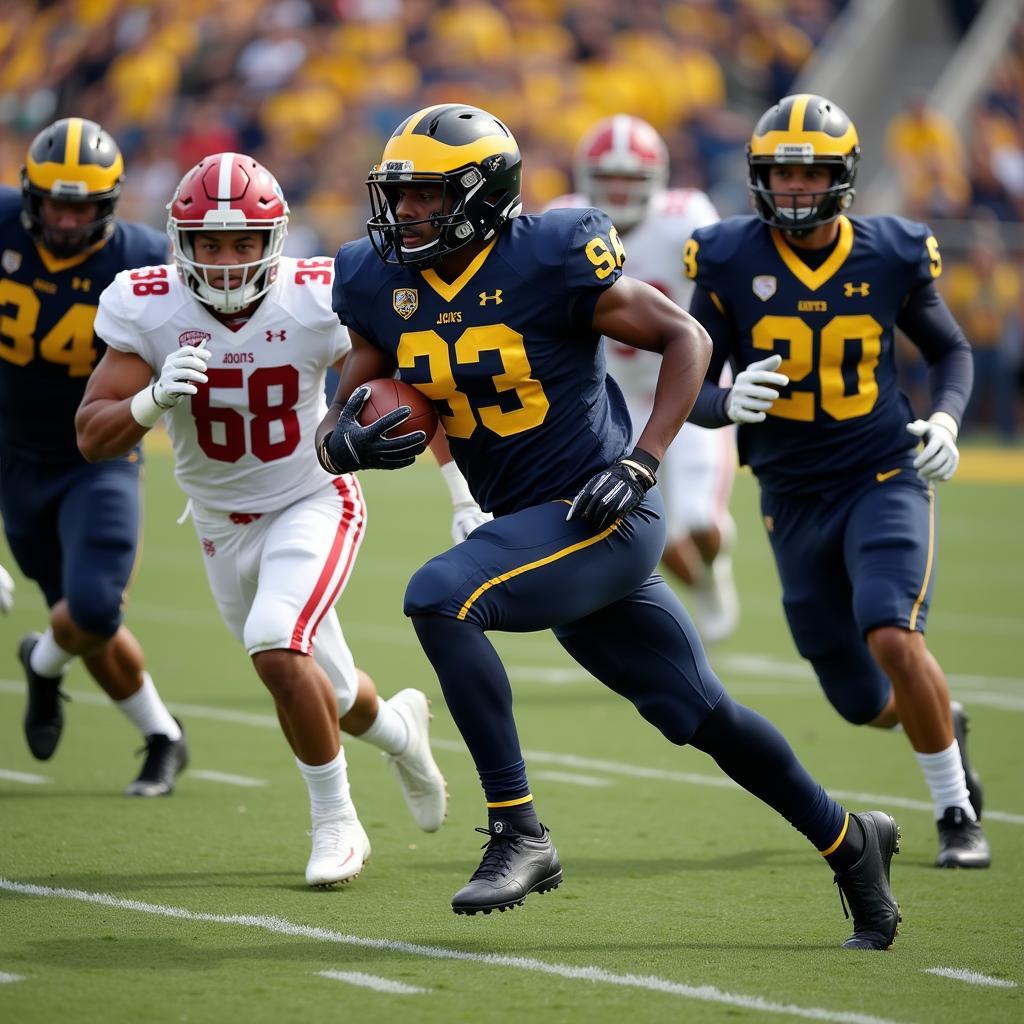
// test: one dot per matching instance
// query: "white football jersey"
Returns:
(244, 443)
(654, 253)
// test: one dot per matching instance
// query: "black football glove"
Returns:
(615, 491)
(351, 446)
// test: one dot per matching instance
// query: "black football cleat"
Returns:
(513, 866)
(44, 716)
(876, 914)
(165, 760)
(962, 843)
(974, 789)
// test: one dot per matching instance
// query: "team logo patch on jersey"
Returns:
(194, 338)
(764, 286)
(10, 260)
(406, 301)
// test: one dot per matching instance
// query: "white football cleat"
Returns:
(340, 848)
(423, 785)
(716, 604)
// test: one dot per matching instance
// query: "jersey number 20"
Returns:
(860, 329)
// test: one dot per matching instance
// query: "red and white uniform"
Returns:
(279, 535)
(697, 472)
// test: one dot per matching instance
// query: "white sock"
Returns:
(389, 731)
(328, 788)
(944, 774)
(48, 658)
(148, 712)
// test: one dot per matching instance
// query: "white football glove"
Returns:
(750, 396)
(181, 371)
(939, 457)
(466, 517)
(6, 591)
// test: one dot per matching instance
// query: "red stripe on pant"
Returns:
(352, 508)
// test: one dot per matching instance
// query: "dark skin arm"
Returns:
(363, 363)
(636, 314)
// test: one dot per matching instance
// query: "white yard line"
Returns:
(573, 761)
(372, 981)
(26, 777)
(227, 778)
(572, 972)
(6, 979)
(971, 977)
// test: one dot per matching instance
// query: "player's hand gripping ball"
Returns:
(385, 424)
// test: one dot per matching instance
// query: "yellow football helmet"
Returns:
(73, 160)
(803, 129)
(475, 160)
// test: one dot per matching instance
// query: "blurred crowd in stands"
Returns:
(312, 88)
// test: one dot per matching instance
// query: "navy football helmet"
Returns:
(475, 160)
(72, 160)
(803, 129)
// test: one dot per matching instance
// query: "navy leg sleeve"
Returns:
(753, 753)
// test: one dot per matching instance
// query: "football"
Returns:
(387, 394)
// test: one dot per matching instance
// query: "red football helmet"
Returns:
(228, 192)
(620, 164)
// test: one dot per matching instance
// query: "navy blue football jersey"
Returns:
(507, 352)
(47, 344)
(833, 326)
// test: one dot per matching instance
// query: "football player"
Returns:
(805, 300)
(621, 166)
(498, 318)
(72, 527)
(229, 348)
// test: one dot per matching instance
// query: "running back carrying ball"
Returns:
(387, 393)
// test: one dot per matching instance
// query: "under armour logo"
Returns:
(81, 284)
(276, 335)
(850, 289)
(495, 298)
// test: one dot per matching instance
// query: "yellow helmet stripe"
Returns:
(81, 177)
(73, 142)
(797, 111)
(428, 156)
(824, 145)
(420, 115)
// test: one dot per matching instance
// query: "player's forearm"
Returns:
(928, 322)
(684, 362)
(709, 410)
(106, 429)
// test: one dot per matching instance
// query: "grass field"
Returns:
(684, 898)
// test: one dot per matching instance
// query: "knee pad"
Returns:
(432, 586)
(95, 606)
(854, 685)
(267, 628)
(884, 601)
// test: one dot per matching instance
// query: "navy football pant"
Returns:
(73, 529)
(850, 563)
(532, 570)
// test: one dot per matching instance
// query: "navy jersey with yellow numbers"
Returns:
(47, 344)
(507, 352)
(833, 326)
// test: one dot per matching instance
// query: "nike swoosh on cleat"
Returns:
(882, 477)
